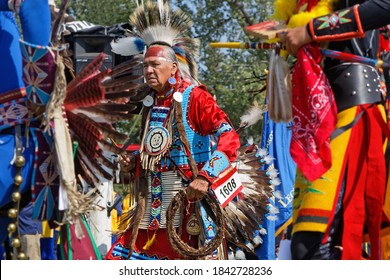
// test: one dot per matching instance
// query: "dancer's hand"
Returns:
(197, 189)
(127, 163)
(295, 38)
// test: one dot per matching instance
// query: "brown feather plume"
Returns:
(113, 107)
(131, 65)
(94, 165)
(121, 94)
(125, 80)
(100, 115)
(120, 86)
(88, 174)
(88, 93)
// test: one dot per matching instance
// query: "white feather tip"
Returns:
(253, 115)
(273, 173)
(257, 240)
(240, 255)
(250, 246)
(262, 152)
(275, 182)
(127, 46)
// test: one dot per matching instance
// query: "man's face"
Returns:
(157, 69)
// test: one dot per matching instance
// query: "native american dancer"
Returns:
(42, 117)
(176, 154)
(339, 127)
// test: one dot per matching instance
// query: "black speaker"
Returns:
(87, 46)
(91, 43)
(80, 61)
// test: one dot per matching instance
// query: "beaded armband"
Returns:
(215, 166)
(222, 128)
(341, 25)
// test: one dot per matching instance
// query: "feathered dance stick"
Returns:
(244, 45)
(378, 63)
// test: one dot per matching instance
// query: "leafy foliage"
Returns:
(102, 12)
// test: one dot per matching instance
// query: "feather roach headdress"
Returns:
(155, 23)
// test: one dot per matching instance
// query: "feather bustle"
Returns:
(100, 115)
(94, 165)
(90, 69)
(129, 79)
(132, 64)
(87, 93)
(114, 107)
(245, 213)
(102, 159)
(88, 173)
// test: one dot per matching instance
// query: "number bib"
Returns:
(227, 187)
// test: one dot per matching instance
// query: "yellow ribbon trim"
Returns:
(150, 242)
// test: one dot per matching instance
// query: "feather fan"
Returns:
(244, 215)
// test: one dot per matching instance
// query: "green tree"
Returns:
(102, 12)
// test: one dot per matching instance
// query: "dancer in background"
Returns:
(341, 179)
(180, 116)
(24, 173)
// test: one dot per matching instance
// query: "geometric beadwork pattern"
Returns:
(13, 113)
(38, 72)
(155, 210)
(334, 20)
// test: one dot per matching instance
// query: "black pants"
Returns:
(307, 245)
